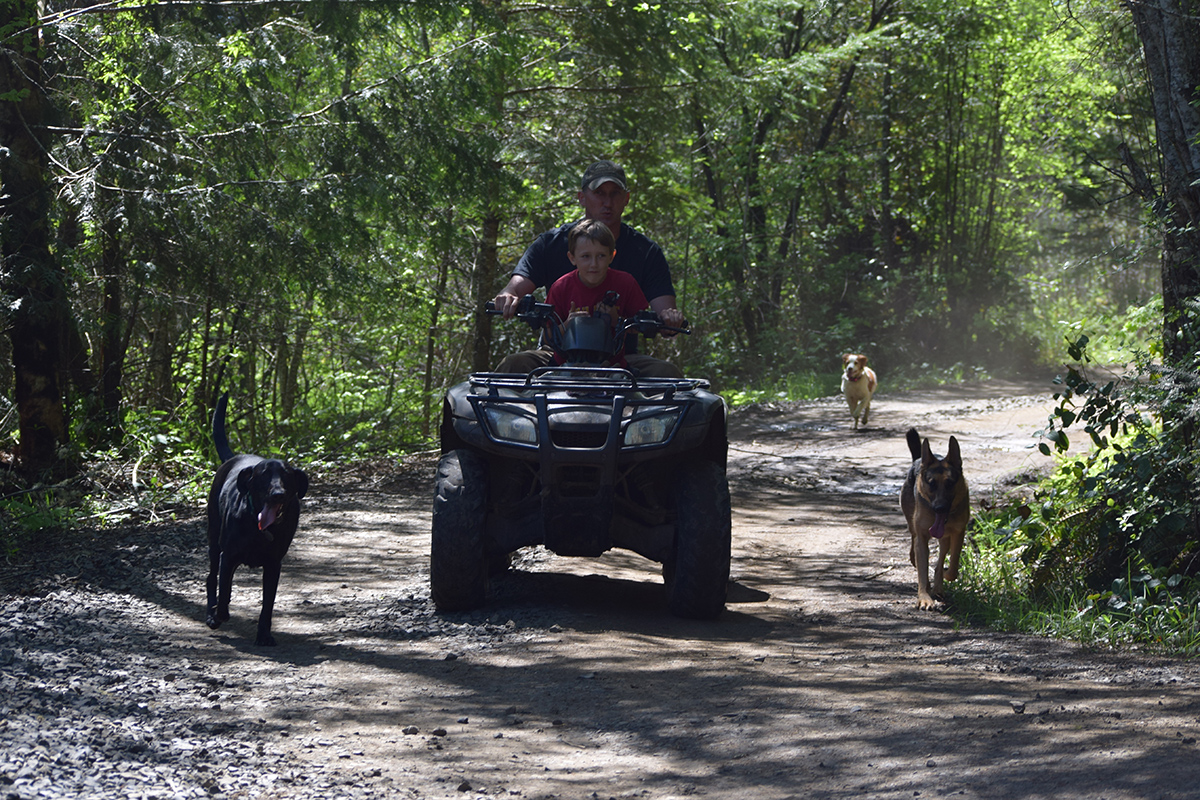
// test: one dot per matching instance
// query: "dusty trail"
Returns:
(820, 680)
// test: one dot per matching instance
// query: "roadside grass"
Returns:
(811, 385)
(802, 385)
(1003, 585)
(152, 476)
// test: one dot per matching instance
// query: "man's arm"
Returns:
(662, 302)
(534, 270)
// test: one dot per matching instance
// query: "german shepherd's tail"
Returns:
(914, 443)
(224, 452)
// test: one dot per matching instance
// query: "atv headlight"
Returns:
(510, 427)
(650, 430)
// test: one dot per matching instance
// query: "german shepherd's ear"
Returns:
(953, 455)
(927, 456)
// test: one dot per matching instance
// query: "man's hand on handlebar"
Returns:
(672, 317)
(510, 295)
(506, 304)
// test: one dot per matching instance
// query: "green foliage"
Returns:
(1144, 608)
(329, 151)
(993, 587)
(1150, 606)
(1107, 552)
(156, 470)
(305, 205)
(789, 387)
(26, 515)
(1137, 482)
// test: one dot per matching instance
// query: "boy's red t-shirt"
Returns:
(569, 289)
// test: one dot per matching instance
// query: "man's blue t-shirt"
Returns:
(545, 261)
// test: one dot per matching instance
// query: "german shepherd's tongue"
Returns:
(266, 517)
(936, 530)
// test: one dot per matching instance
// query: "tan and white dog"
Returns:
(858, 385)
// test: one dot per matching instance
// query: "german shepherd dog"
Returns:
(936, 505)
(253, 513)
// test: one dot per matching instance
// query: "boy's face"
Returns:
(591, 259)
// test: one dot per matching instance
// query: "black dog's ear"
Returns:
(301, 478)
(244, 478)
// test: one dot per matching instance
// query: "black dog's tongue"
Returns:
(266, 517)
(936, 530)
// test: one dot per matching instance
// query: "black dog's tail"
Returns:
(224, 452)
(914, 443)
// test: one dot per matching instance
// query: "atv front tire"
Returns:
(697, 576)
(457, 565)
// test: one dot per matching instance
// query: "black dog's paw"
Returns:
(265, 640)
(212, 622)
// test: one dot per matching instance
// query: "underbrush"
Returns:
(810, 384)
(807, 385)
(153, 475)
(112, 489)
(1003, 585)
(1107, 553)
(160, 470)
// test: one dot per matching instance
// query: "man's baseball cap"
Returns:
(602, 172)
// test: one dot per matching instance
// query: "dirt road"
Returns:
(820, 680)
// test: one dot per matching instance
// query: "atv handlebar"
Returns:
(647, 323)
(528, 311)
(535, 314)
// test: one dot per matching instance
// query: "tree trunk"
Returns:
(290, 359)
(32, 279)
(163, 337)
(486, 268)
(431, 341)
(887, 225)
(112, 350)
(1170, 34)
(731, 256)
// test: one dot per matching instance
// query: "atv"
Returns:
(582, 457)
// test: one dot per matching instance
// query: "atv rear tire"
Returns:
(697, 576)
(457, 566)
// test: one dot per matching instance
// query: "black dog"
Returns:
(253, 512)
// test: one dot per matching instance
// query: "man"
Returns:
(603, 194)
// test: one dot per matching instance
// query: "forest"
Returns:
(307, 204)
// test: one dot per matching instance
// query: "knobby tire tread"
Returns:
(697, 578)
(458, 569)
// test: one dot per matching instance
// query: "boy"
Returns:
(591, 247)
